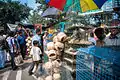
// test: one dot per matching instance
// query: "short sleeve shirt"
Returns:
(112, 42)
(11, 42)
(35, 52)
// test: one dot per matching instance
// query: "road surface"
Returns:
(20, 74)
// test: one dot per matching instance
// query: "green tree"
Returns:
(43, 6)
(36, 18)
(12, 11)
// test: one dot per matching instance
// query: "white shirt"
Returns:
(11, 42)
(35, 52)
(112, 42)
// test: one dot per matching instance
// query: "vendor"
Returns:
(114, 38)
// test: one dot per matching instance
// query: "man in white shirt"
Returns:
(12, 47)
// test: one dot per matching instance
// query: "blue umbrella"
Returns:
(108, 6)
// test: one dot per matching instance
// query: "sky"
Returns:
(30, 3)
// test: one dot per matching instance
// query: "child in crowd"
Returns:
(35, 52)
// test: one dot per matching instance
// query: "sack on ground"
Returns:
(18, 59)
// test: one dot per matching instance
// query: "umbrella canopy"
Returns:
(108, 6)
(59, 4)
(50, 11)
(76, 5)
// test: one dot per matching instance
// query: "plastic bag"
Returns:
(18, 59)
(8, 56)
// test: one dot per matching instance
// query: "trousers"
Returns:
(13, 60)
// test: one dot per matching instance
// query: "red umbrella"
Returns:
(59, 4)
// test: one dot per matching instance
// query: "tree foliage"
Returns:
(43, 6)
(40, 1)
(36, 18)
(12, 11)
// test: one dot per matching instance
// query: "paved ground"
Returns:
(20, 74)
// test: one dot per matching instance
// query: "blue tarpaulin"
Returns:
(98, 63)
(107, 53)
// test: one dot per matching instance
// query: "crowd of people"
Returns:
(13, 44)
(14, 48)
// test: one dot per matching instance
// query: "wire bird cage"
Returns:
(116, 3)
(97, 65)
